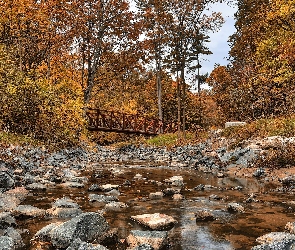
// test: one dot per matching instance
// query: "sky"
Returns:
(219, 41)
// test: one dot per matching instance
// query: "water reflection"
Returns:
(229, 231)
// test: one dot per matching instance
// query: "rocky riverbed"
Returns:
(203, 196)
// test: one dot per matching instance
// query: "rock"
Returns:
(214, 197)
(155, 221)
(156, 195)
(175, 181)
(171, 191)
(81, 245)
(290, 227)
(147, 239)
(200, 187)
(94, 188)
(143, 247)
(115, 206)
(72, 184)
(113, 192)
(177, 197)
(6, 220)
(108, 187)
(44, 233)
(86, 227)
(289, 180)
(28, 211)
(6, 243)
(100, 198)
(65, 202)
(63, 212)
(14, 235)
(276, 241)
(234, 124)
(204, 215)
(6, 179)
(235, 207)
(259, 172)
(36, 186)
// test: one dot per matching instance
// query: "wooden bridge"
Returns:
(111, 121)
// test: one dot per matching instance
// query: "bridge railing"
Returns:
(112, 121)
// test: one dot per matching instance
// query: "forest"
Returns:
(59, 57)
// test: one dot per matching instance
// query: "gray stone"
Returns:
(6, 220)
(6, 243)
(14, 235)
(28, 211)
(65, 203)
(235, 207)
(101, 198)
(116, 206)
(36, 186)
(81, 245)
(87, 227)
(147, 239)
(156, 195)
(276, 241)
(204, 215)
(175, 181)
(44, 233)
(6, 179)
(63, 212)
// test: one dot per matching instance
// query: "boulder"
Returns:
(86, 227)
(14, 235)
(147, 239)
(155, 221)
(28, 211)
(175, 181)
(235, 207)
(101, 198)
(276, 241)
(6, 220)
(204, 215)
(156, 195)
(81, 245)
(115, 206)
(6, 243)
(6, 179)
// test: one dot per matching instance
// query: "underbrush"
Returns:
(7, 139)
(281, 156)
(282, 126)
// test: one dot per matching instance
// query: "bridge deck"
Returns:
(111, 121)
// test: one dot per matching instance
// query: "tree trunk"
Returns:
(183, 101)
(159, 93)
(178, 107)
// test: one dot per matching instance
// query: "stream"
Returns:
(266, 210)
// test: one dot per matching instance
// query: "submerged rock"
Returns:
(81, 245)
(28, 211)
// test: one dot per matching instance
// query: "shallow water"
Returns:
(229, 231)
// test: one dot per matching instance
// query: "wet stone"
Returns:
(275, 241)
(6, 179)
(235, 207)
(36, 186)
(155, 221)
(14, 235)
(171, 191)
(6, 220)
(156, 195)
(28, 211)
(147, 239)
(100, 198)
(6, 243)
(65, 203)
(204, 215)
(81, 245)
(116, 206)
(108, 187)
(87, 227)
(177, 197)
(175, 181)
